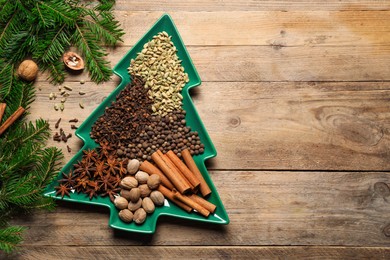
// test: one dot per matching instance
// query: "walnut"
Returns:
(73, 61)
(28, 70)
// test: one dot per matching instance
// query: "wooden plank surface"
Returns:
(277, 207)
(203, 252)
(295, 98)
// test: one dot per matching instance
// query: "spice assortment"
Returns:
(143, 126)
(134, 132)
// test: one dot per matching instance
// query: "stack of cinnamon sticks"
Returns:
(181, 182)
(10, 120)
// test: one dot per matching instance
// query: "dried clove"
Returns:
(75, 120)
(73, 127)
(58, 123)
(68, 148)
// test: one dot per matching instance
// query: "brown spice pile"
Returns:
(130, 128)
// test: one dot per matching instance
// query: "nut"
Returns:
(157, 198)
(120, 202)
(125, 194)
(153, 181)
(139, 216)
(73, 61)
(134, 206)
(135, 194)
(145, 191)
(28, 70)
(129, 183)
(142, 177)
(126, 215)
(133, 166)
(148, 205)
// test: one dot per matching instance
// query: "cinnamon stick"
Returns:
(191, 203)
(176, 170)
(169, 194)
(203, 187)
(11, 119)
(149, 168)
(2, 110)
(184, 169)
(176, 179)
(204, 203)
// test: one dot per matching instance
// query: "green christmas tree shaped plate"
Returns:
(220, 216)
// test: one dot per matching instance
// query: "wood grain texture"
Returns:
(278, 208)
(268, 125)
(295, 97)
(270, 28)
(201, 252)
(250, 5)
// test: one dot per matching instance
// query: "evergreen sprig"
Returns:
(26, 165)
(44, 30)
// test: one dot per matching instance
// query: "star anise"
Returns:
(105, 148)
(101, 168)
(63, 190)
(91, 192)
(90, 155)
(105, 182)
(81, 183)
(113, 165)
(116, 180)
(68, 180)
(84, 168)
(123, 167)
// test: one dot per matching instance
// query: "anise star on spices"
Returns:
(85, 168)
(63, 190)
(113, 165)
(111, 193)
(69, 179)
(90, 155)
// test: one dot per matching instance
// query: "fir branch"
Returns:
(56, 71)
(58, 12)
(10, 237)
(97, 66)
(52, 46)
(47, 164)
(7, 78)
(39, 133)
(103, 26)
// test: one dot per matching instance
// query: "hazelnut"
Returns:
(129, 183)
(120, 202)
(157, 198)
(142, 177)
(73, 61)
(139, 216)
(134, 194)
(126, 215)
(153, 181)
(28, 70)
(134, 206)
(133, 166)
(145, 191)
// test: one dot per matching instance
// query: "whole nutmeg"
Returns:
(142, 177)
(120, 202)
(129, 182)
(153, 181)
(139, 216)
(134, 206)
(126, 215)
(125, 194)
(145, 191)
(133, 166)
(148, 205)
(28, 70)
(157, 198)
(134, 194)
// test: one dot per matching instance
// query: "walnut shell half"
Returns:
(73, 61)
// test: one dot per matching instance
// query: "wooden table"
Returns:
(296, 98)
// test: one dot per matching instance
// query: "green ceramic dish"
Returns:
(165, 23)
